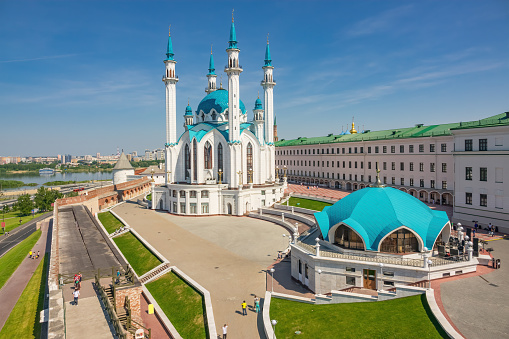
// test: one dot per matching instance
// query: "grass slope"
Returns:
(109, 221)
(23, 322)
(12, 220)
(308, 203)
(181, 304)
(12, 259)
(139, 257)
(399, 318)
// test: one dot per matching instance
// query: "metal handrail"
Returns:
(117, 325)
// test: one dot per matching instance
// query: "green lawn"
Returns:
(308, 203)
(139, 257)
(407, 318)
(12, 259)
(181, 303)
(109, 221)
(23, 322)
(12, 220)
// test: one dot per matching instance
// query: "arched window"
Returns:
(195, 160)
(187, 162)
(400, 241)
(220, 157)
(214, 116)
(207, 152)
(347, 238)
(249, 162)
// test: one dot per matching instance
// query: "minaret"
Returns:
(276, 139)
(170, 81)
(188, 117)
(233, 70)
(211, 76)
(258, 120)
(268, 85)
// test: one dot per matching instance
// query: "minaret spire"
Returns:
(169, 49)
(268, 60)
(211, 76)
(233, 35)
(268, 84)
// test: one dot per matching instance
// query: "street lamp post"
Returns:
(274, 323)
(429, 273)
(220, 172)
(319, 271)
(381, 276)
(272, 281)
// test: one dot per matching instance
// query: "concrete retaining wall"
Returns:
(308, 221)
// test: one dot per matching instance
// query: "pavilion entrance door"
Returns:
(369, 277)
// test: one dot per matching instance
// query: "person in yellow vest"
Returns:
(244, 308)
(30, 254)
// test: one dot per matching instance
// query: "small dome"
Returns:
(258, 104)
(189, 110)
(375, 212)
(217, 100)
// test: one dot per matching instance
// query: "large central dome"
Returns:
(217, 100)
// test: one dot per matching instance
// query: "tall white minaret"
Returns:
(211, 76)
(268, 84)
(170, 81)
(233, 70)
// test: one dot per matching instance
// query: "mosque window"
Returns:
(214, 116)
(249, 157)
(207, 152)
(220, 156)
(195, 160)
(187, 162)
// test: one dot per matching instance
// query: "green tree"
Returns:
(25, 205)
(45, 197)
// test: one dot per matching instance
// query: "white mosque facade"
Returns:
(223, 163)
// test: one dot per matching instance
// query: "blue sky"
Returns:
(85, 77)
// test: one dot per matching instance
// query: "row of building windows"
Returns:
(432, 167)
(483, 145)
(354, 150)
(483, 200)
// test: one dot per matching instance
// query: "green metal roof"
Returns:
(398, 133)
(375, 212)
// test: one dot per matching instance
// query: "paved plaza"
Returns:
(226, 255)
(479, 305)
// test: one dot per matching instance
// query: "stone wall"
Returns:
(134, 294)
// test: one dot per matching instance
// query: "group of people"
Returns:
(491, 229)
(32, 255)
(77, 287)
(256, 305)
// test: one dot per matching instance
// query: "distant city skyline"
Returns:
(81, 79)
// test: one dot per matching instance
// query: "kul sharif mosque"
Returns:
(224, 161)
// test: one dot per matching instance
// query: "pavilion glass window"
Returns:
(205, 208)
(182, 194)
(483, 174)
(468, 198)
(192, 208)
(400, 241)
(182, 207)
(345, 237)
(175, 207)
(483, 144)
(469, 145)
(192, 194)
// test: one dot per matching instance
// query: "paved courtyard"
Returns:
(226, 255)
(479, 306)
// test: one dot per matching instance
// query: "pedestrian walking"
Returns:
(80, 277)
(118, 276)
(473, 232)
(76, 294)
(254, 301)
(257, 305)
(30, 254)
(225, 330)
(38, 253)
(244, 308)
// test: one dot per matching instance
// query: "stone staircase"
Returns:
(121, 313)
(155, 273)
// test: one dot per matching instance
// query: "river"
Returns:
(60, 176)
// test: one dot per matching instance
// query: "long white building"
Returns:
(428, 162)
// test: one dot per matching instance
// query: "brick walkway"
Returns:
(11, 291)
(317, 192)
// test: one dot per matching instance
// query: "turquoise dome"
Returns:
(258, 104)
(375, 212)
(189, 110)
(217, 100)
